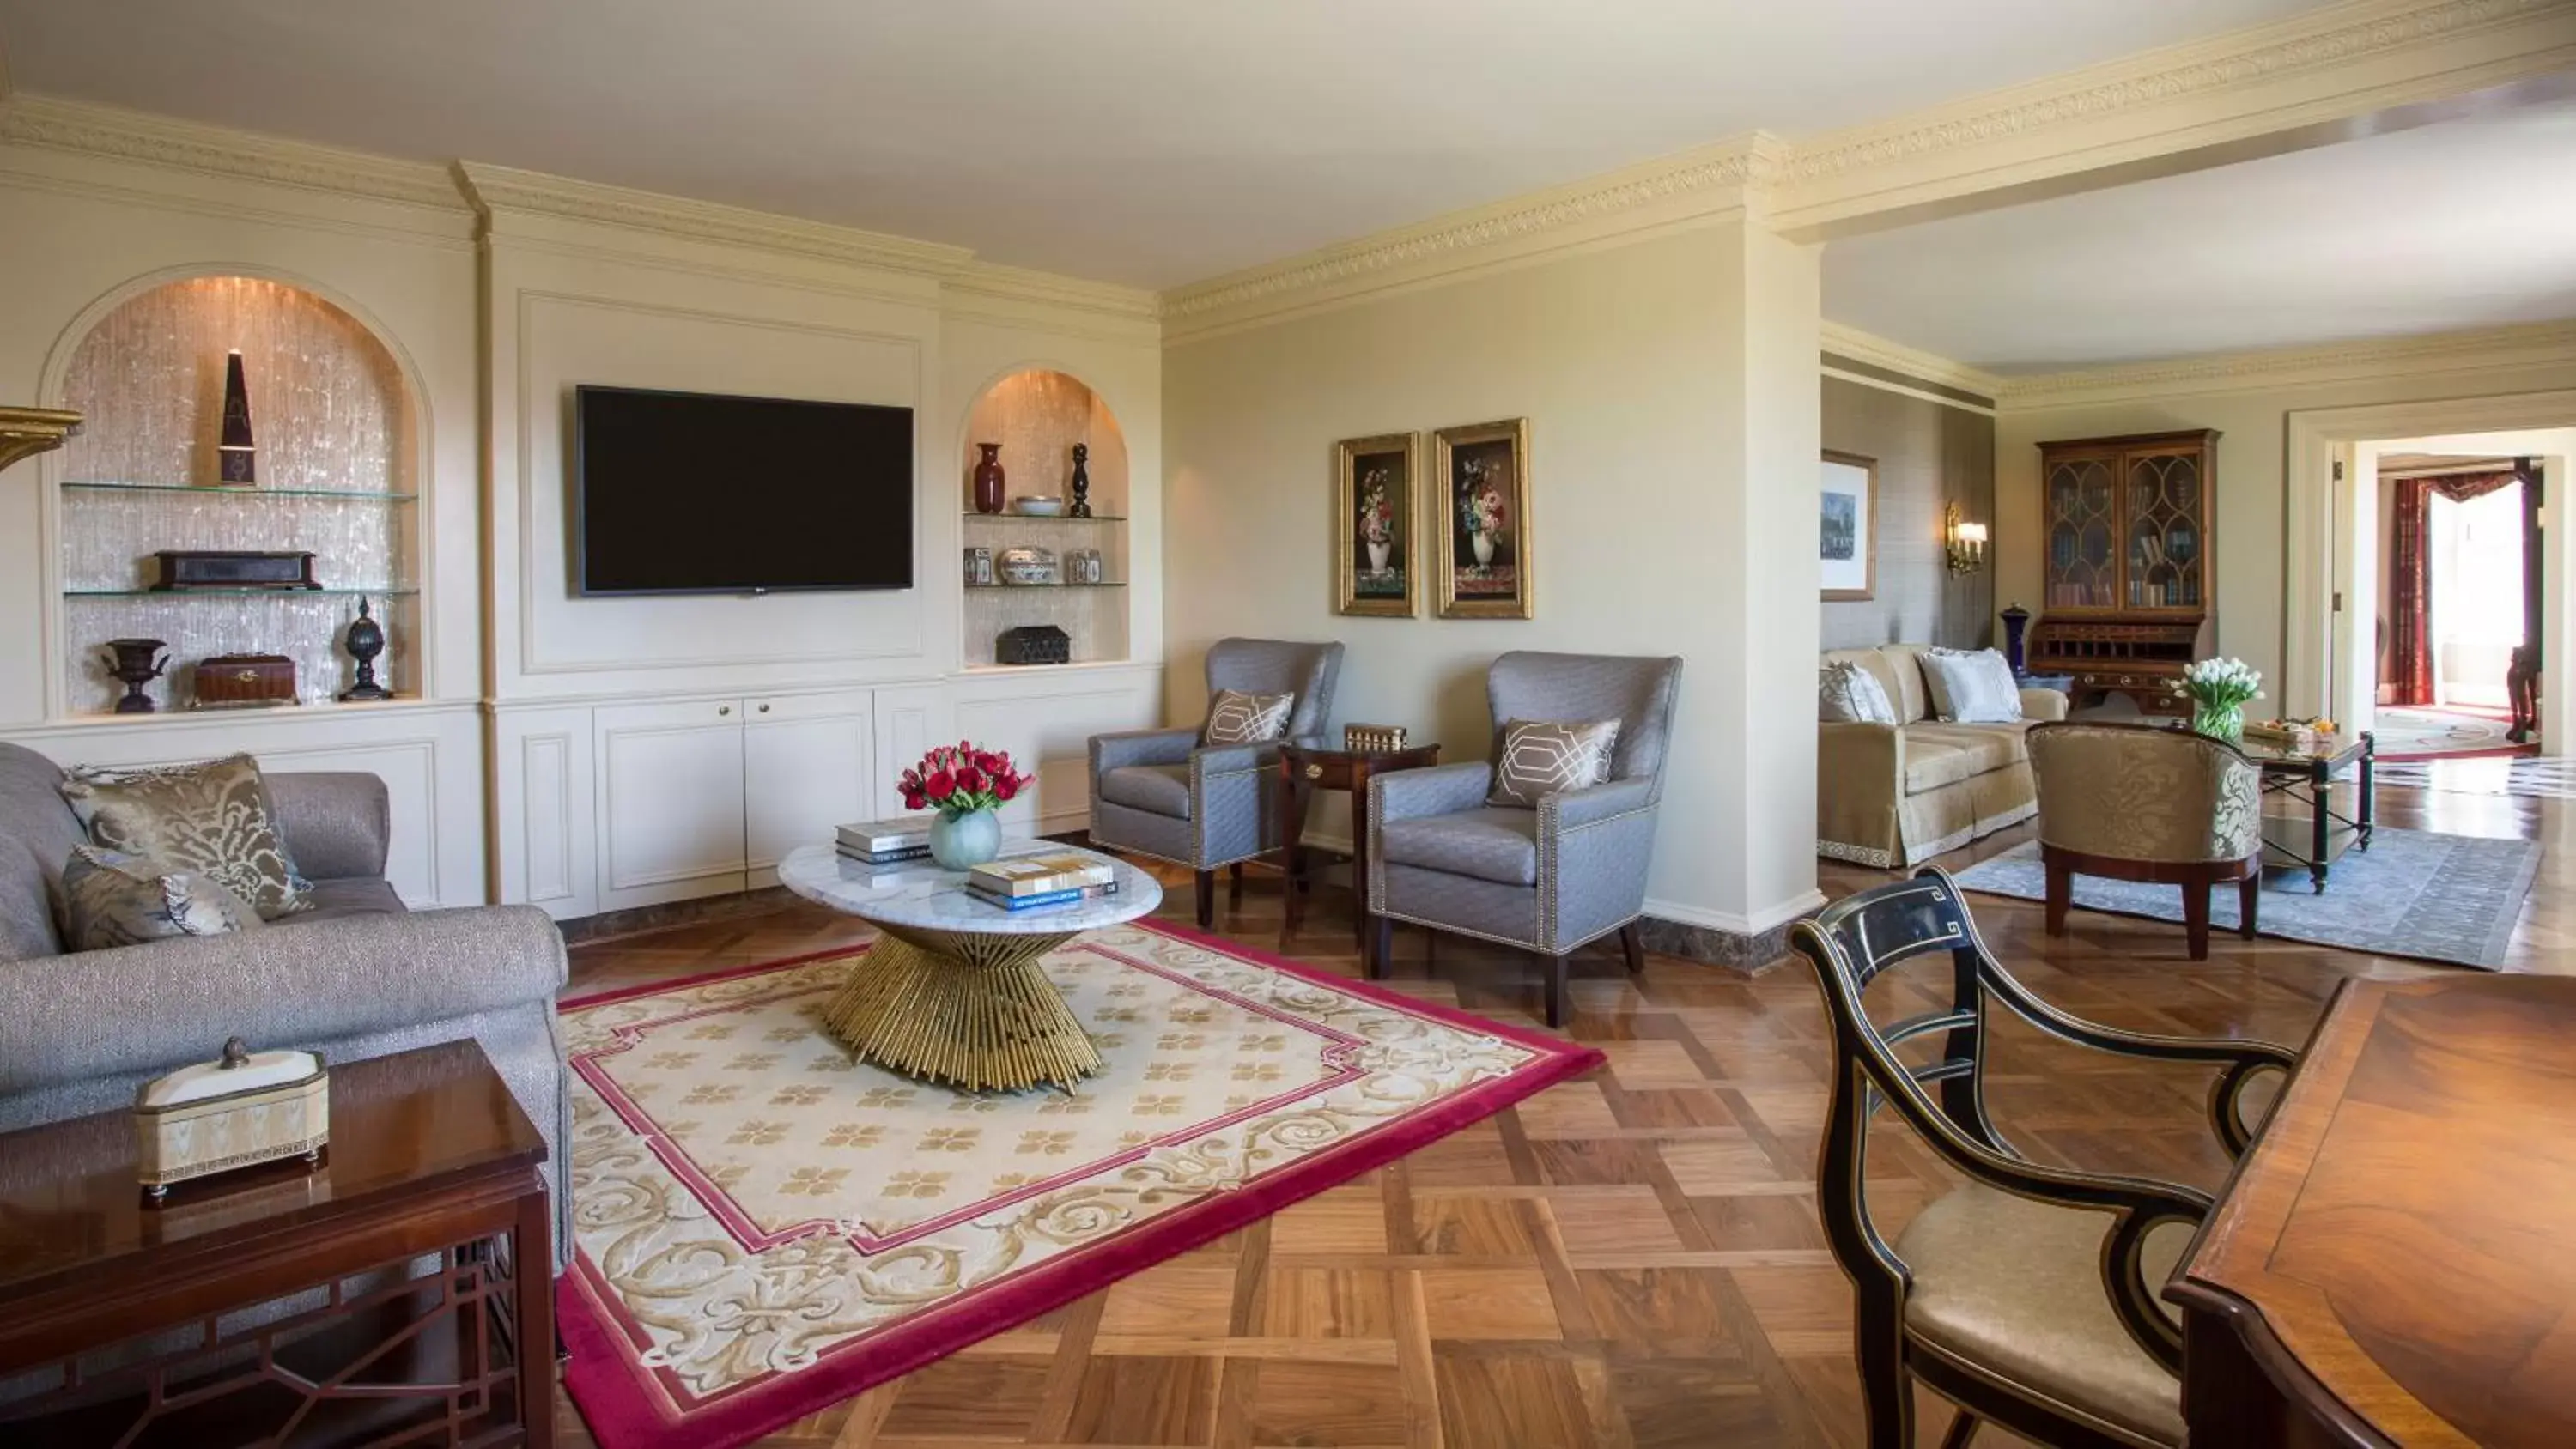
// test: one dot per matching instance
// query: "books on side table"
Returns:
(1028, 882)
(886, 842)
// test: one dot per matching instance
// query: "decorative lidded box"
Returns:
(246, 1109)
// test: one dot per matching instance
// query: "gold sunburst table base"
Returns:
(964, 1010)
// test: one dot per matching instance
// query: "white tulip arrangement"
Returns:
(2219, 689)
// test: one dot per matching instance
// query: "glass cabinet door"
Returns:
(2165, 531)
(2083, 559)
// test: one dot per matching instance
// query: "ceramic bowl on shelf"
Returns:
(1036, 506)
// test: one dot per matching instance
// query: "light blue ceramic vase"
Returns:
(961, 841)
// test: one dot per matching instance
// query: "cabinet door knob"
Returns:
(724, 709)
(1314, 772)
(764, 709)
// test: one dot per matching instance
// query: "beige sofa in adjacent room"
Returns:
(1892, 795)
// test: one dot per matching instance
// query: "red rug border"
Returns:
(622, 1416)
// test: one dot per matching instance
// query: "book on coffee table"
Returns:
(1042, 898)
(1037, 875)
(884, 842)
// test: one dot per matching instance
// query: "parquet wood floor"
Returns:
(1628, 1261)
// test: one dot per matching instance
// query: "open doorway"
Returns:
(2460, 604)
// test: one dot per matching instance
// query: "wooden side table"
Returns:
(1302, 772)
(429, 1156)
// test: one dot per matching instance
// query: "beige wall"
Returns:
(1638, 368)
(1928, 454)
(2252, 500)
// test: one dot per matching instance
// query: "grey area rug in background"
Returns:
(2449, 898)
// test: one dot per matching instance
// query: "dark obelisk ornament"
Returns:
(365, 640)
(236, 455)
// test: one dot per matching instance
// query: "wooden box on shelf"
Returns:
(2127, 561)
(244, 681)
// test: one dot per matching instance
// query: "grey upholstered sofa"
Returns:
(1161, 793)
(356, 977)
(1549, 879)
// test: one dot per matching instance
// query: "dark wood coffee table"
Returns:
(1304, 771)
(429, 1157)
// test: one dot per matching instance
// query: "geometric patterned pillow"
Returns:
(1237, 718)
(1540, 759)
(1849, 694)
(124, 900)
(214, 819)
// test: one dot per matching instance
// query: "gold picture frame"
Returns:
(1374, 482)
(1483, 572)
(1847, 526)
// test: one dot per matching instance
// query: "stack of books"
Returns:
(1030, 881)
(886, 842)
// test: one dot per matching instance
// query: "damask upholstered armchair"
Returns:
(1182, 795)
(1549, 876)
(2144, 803)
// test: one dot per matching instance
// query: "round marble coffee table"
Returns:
(955, 994)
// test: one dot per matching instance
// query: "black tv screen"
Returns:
(695, 493)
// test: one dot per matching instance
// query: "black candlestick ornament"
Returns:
(1081, 480)
(364, 641)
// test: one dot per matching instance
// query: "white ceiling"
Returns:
(2470, 223)
(1154, 142)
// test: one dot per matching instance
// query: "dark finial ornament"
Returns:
(135, 663)
(1081, 480)
(365, 640)
(236, 456)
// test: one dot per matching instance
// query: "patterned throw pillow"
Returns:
(1541, 759)
(1846, 693)
(1237, 718)
(122, 900)
(213, 818)
(1972, 686)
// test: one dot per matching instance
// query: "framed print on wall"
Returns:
(1484, 541)
(1376, 574)
(1847, 545)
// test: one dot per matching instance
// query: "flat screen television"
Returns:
(695, 493)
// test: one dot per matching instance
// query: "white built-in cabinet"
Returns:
(702, 797)
(612, 804)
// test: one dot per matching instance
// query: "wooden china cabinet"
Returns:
(2128, 564)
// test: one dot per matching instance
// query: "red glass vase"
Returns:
(989, 479)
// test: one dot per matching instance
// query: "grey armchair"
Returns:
(1548, 880)
(1164, 794)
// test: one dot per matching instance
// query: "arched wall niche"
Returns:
(1037, 414)
(338, 473)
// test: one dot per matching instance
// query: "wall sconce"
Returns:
(1967, 541)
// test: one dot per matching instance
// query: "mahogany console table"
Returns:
(2394, 1260)
(429, 1158)
(1303, 771)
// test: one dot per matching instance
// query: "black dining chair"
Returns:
(2028, 1295)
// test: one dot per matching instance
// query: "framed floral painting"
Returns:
(1485, 540)
(1373, 516)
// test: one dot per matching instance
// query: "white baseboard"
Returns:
(1732, 923)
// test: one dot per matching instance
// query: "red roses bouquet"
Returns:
(961, 779)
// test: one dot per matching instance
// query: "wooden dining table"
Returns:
(2394, 1261)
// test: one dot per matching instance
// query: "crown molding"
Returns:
(1050, 289)
(2312, 70)
(2330, 36)
(2540, 344)
(501, 190)
(1914, 362)
(1703, 181)
(79, 126)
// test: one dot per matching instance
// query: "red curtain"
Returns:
(2410, 591)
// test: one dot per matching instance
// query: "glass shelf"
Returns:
(239, 593)
(1047, 517)
(1031, 588)
(98, 485)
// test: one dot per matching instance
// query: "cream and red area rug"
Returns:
(766, 1226)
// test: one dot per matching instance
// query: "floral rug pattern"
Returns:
(754, 1207)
